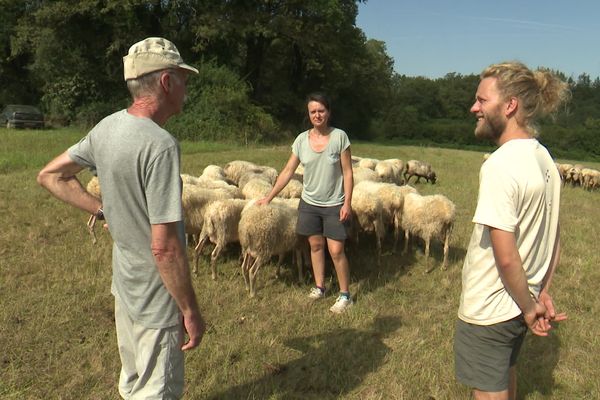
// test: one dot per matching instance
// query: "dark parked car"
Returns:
(21, 116)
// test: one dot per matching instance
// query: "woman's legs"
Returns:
(340, 261)
(317, 257)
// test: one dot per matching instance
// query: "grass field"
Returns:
(56, 312)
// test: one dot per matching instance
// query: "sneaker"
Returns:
(341, 304)
(316, 293)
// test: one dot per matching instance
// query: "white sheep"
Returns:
(428, 217)
(265, 231)
(292, 190)
(390, 171)
(392, 197)
(590, 178)
(214, 172)
(194, 200)
(220, 227)
(574, 176)
(420, 169)
(369, 163)
(367, 214)
(235, 169)
(190, 179)
(256, 188)
(364, 174)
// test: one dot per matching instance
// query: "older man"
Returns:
(138, 166)
(515, 244)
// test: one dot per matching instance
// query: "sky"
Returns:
(434, 37)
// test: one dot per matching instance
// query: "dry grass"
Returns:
(57, 328)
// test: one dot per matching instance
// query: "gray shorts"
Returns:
(325, 221)
(483, 354)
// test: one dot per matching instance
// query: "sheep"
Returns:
(369, 163)
(486, 156)
(292, 190)
(256, 188)
(355, 159)
(590, 178)
(392, 197)
(364, 174)
(562, 170)
(367, 214)
(265, 231)
(214, 173)
(390, 171)
(428, 217)
(186, 178)
(220, 227)
(420, 169)
(235, 169)
(194, 200)
(93, 187)
(573, 175)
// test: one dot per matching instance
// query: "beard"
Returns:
(491, 127)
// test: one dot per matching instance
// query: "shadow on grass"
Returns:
(330, 365)
(536, 365)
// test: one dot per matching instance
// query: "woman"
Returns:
(325, 206)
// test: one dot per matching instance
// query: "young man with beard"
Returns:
(515, 245)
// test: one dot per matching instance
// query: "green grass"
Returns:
(56, 320)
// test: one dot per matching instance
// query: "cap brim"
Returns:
(188, 67)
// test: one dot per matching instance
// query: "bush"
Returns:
(218, 108)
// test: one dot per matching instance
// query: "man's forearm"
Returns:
(174, 271)
(173, 267)
(510, 268)
(515, 281)
(59, 178)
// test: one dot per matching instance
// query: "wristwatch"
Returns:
(100, 214)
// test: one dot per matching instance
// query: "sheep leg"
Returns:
(397, 224)
(245, 269)
(202, 240)
(213, 260)
(91, 224)
(197, 251)
(427, 244)
(253, 272)
(278, 267)
(406, 240)
(446, 249)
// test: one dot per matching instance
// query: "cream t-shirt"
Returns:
(519, 191)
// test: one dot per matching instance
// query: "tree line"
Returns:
(258, 60)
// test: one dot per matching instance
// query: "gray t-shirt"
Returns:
(138, 166)
(323, 178)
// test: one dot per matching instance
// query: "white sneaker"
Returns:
(316, 293)
(341, 304)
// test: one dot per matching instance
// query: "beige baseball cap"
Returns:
(152, 54)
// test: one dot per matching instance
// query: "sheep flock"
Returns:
(219, 209)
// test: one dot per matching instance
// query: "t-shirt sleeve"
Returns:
(163, 188)
(296, 146)
(82, 154)
(344, 141)
(496, 206)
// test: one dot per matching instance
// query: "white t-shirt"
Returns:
(519, 191)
